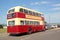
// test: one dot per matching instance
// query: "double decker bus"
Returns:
(24, 20)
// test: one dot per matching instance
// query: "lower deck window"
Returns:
(31, 22)
(36, 23)
(26, 22)
(11, 23)
(22, 22)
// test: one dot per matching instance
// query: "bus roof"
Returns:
(25, 8)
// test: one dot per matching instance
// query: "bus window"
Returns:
(30, 12)
(10, 15)
(42, 15)
(12, 10)
(34, 13)
(21, 10)
(26, 22)
(11, 23)
(31, 22)
(22, 22)
(36, 23)
(25, 11)
(39, 14)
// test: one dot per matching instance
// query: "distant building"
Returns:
(4, 26)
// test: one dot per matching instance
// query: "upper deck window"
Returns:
(30, 12)
(39, 15)
(42, 15)
(34, 13)
(12, 10)
(21, 10)
(10, 15)
(25, 11)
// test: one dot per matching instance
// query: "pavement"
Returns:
(53, 34)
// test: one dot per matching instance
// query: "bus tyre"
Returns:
(29, 31)
(43, 30)
(40, 30)
(11, 34)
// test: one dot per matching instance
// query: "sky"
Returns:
(50, 8)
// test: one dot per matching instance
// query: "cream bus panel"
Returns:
(33, 17)
(17, 21)
(16, 9)
(41, 22)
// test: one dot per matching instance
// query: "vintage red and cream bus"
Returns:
(24, 20)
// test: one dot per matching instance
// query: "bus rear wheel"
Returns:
(29, 31)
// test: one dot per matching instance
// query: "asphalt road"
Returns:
(47, 35)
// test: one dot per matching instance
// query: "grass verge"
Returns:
(4, 30)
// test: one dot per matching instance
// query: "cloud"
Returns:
(57, 8)
(44, 2)
(56, 4)
(35, 3)
(38, 3)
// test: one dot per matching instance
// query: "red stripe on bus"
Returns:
(22, 15)
(24, 28)
(17, 15)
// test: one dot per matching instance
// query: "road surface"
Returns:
(53, 34)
